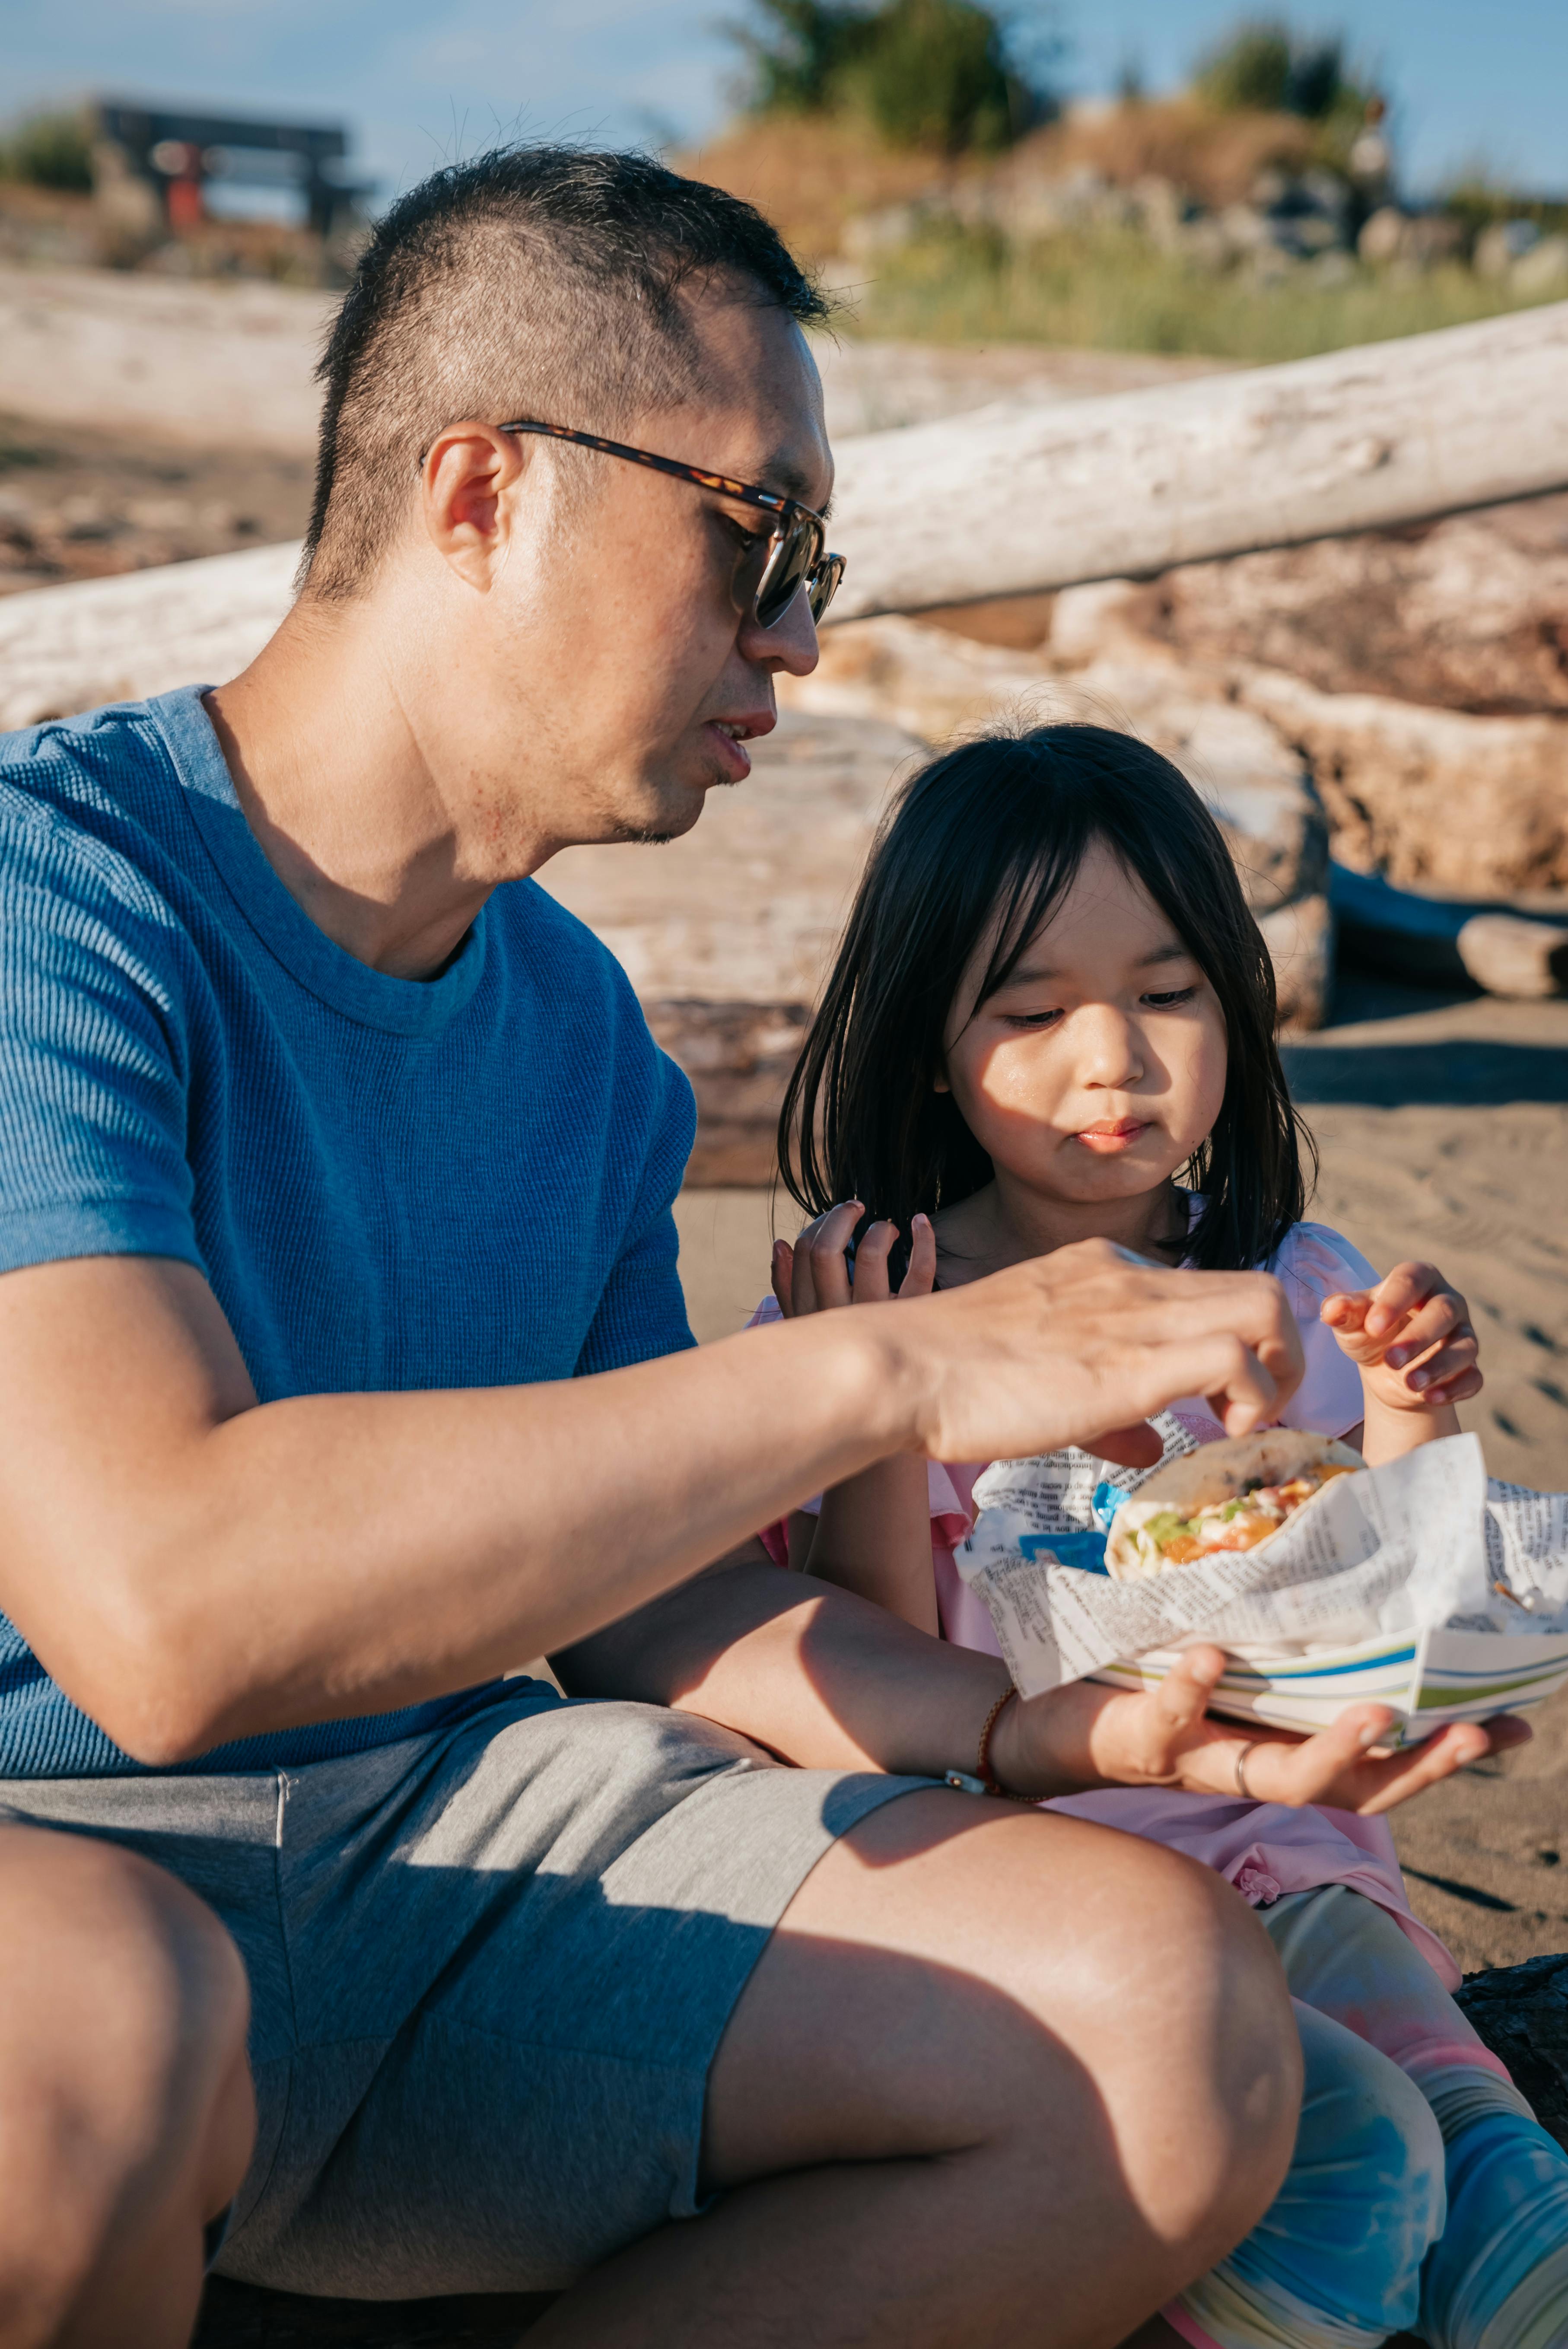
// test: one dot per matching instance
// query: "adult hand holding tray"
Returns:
(1418, 1584)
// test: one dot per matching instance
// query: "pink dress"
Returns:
(1264, 1849)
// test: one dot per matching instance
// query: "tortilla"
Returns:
(1164, 1507)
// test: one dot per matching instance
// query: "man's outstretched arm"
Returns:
(193, 1567)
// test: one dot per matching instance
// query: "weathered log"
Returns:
(1433, 938)
(1007, 500)
(67, 648)
(1011, 500)
(738, 1057)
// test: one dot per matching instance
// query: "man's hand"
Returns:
(1089, 1339)
(1089, 1736)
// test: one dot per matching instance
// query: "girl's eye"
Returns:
(1168, 1002)
(1033, 1019)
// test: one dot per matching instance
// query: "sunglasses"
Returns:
(775, 565)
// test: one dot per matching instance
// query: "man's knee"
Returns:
(123, 2091)
(1195, 2045)
(1058, 1967)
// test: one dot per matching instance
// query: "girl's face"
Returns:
(1100, 1067)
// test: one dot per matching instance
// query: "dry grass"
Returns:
(811, 174)
(1214, 158)
(1113, 290)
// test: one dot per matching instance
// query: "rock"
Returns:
(1497, 248)
(1522, 2012)
(1382, 237)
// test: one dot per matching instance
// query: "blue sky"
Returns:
(423, 79)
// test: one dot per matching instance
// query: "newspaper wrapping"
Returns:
(1423, 1543)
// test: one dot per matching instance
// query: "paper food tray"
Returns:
(1429, 1678)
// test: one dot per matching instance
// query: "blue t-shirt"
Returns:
(389, 1184)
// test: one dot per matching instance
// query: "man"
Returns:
(344, 1366)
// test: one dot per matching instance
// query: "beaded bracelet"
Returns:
(984, 1780)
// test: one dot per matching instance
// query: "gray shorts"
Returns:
(491, 1968)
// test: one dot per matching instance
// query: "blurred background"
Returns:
(1015, 204)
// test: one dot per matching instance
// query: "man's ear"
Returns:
(467, 470)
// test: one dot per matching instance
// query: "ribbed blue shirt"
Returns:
(389, 1184)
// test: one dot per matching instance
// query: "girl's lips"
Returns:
(1105, 1140)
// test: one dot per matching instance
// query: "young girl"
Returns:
(1051, 1017)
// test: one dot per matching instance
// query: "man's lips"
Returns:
(1108, 1139)
(729, 736)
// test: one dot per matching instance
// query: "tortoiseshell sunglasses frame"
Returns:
(819, 576)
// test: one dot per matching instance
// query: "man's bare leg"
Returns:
(126, 2116)
(997, 2079)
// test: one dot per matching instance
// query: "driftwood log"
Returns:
(1522, 2012)
(1503, 950)
(1013, 501)
(1005, 501)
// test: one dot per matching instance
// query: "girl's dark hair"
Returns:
(988, 839)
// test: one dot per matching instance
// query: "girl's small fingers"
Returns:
(784, 1278)
(1443, 1381)
(920, 1277)
(822, 1244)
(1439, 1318)
(1347, 1309)
(1408, 1286)
(872, 1286)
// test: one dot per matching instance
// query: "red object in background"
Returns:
(186, 209)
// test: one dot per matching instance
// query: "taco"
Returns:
(1223, 1496)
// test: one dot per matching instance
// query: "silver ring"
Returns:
(1242, 1752)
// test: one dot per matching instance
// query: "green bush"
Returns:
(926, 73)
(49, 150)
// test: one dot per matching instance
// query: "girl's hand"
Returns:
(1412, 1338)
(815, 1273)
(1097, 1737)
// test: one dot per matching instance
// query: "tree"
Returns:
(928, 73)
(1262, 68)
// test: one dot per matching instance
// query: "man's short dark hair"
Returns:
(535, 280)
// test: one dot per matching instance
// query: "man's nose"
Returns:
(790, 644)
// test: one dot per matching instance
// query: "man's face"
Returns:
(621, 682)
